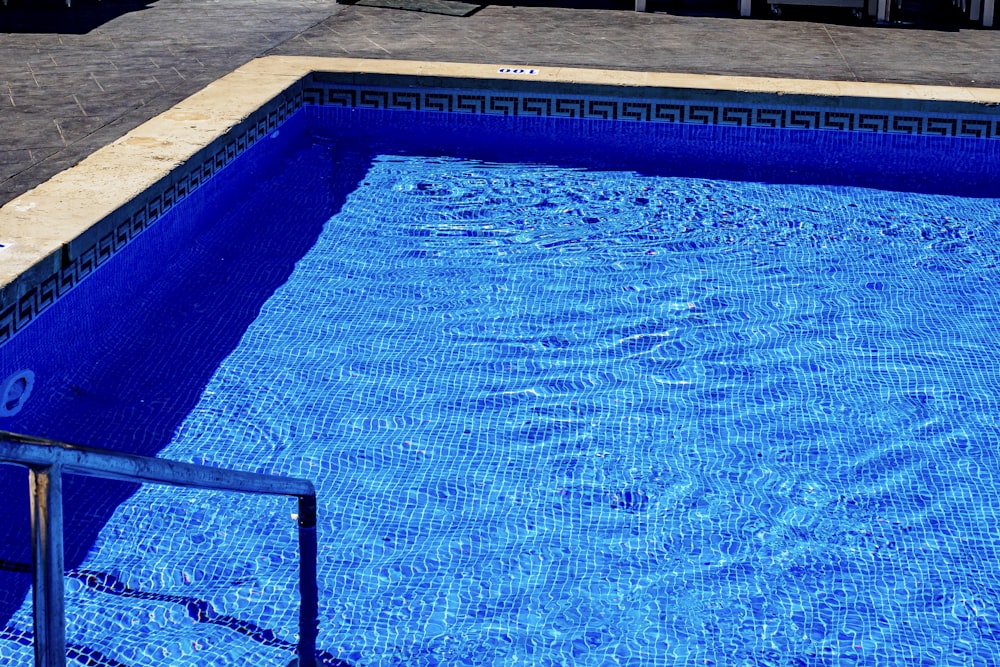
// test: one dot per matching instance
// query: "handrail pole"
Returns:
(309, 609)
(47, 565)
(48, 459)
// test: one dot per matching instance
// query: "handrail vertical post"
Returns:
(309, 611)
(47, 565)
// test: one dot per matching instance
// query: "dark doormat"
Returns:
(445, 7)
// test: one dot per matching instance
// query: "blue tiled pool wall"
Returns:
(960, 166)
(791, 138)
(19, 303)
(81, 352)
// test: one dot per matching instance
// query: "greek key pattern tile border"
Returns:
(651, 111)
(125, 227)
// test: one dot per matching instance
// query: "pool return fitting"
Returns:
(47, 460)
(15, 391)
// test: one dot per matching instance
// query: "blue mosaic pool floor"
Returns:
(576, 416)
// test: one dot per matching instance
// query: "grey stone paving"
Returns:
(71, 80)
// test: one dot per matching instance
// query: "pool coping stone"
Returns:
(48, 227)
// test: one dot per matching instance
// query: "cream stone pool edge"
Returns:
(56, 234)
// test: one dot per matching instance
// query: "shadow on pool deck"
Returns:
(53, 17)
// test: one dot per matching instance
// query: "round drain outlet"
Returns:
(14, 392)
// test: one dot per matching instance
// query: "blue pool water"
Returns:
(559, 411)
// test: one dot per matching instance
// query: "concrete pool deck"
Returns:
(72, 81)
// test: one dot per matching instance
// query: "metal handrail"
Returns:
(48, 459)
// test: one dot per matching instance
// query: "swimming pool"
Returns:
(587, 391)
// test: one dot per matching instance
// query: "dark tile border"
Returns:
(750, 113)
